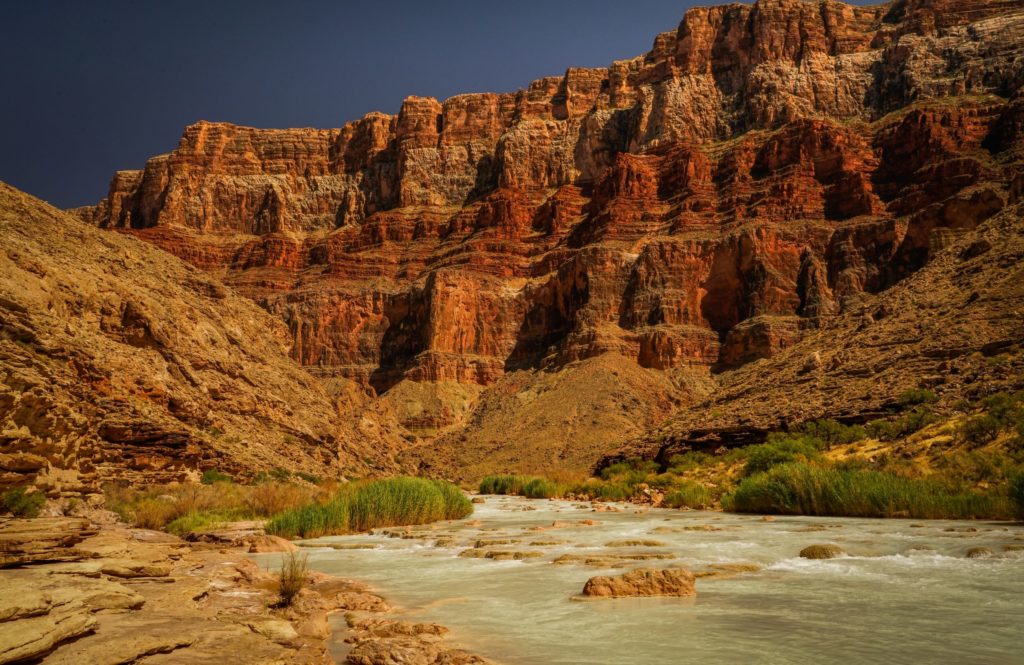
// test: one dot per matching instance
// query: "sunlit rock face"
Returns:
(701, 206)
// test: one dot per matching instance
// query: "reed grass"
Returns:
(689, 495)
(805, 489)
(542, 488)
(504, 484)
(361, 506)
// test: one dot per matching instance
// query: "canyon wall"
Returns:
(710, 203)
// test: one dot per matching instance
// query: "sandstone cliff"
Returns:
(761, 171)
(121, 362)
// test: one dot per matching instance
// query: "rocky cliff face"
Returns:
(756, 174)
(119, 362)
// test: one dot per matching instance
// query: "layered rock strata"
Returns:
(760, 172)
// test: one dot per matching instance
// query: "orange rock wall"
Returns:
(701, 205)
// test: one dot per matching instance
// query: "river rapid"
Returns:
(906, 592)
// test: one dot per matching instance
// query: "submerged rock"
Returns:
(636, 543)
(980, 553)
(642, 582)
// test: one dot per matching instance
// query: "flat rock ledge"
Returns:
(75, 592)
(642, 582)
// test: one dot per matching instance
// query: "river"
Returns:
(904, 593)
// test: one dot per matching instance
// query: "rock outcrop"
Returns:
(128, 595)
(761, 171)
(119, 362)
(642, 582)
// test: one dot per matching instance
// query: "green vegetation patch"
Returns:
(22, 503)
(364, 505)
(807, 489)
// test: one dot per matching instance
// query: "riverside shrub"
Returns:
(780, 449)
(22, 503)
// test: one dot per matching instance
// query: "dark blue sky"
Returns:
(92, 87)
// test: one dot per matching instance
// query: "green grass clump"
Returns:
(21, 503)
(602, 490)
(503, 484)
(541, 488)
(312, 520)
(805, 489)
(379, 503)
(197, 521)
(689, 495)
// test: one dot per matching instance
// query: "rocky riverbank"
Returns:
(92, 590)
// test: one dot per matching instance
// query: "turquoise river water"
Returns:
(904, 593)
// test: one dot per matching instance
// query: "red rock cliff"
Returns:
(700, 206)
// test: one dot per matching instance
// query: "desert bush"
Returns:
(916, 396)
(805, 489)
(1004, 406)
(292, 577)
(688, 461)
(689, 495)
(19, 502)
(634, 469)
(211, 476)
(905, 425)
(188, 507)
(780, 449)
(833, 432)
(981, 429)
(267, 499)
(149, 512)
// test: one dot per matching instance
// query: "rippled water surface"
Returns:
(906, 593)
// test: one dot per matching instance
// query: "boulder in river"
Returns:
(980, 553)
(821, 551)
(642, 582)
